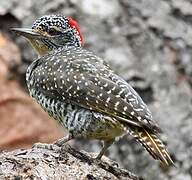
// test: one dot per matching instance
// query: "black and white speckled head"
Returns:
(59, 30)
(52, 32)
(46, 23)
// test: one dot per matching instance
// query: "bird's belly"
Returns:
(103, 127)
(80, 121)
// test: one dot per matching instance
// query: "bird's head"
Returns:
(51, 32)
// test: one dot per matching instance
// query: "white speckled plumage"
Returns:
(79, 90)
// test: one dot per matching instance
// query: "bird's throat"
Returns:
(40, 48)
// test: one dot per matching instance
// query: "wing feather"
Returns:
(93, 86)
(101, 94)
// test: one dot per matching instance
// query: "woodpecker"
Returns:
(80, 91)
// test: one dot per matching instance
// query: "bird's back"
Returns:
(69, 83)
(74, 74)
(48, 79)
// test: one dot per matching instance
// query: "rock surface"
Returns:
(68, 164)
(149, 43)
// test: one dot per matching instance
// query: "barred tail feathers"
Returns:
(152, 144)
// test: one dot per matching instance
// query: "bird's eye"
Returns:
(54, 32)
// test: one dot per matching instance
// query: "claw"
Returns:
(46, 146)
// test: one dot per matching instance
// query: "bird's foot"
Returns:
(56, 146)
(105, 159)
(112, 163)
(62, 141)
(47, 146)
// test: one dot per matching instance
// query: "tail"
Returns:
(152, 144)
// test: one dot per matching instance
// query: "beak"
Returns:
(28, 33)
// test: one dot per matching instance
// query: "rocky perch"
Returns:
(39, 163)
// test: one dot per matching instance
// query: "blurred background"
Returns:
(147, 42)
